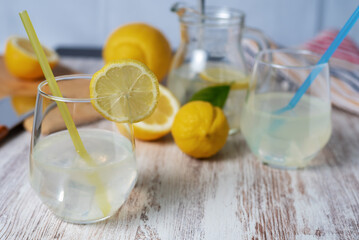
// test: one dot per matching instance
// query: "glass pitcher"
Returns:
(211, 54)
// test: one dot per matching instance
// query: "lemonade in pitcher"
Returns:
(185, 82)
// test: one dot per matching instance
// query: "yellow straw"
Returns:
(100, 194)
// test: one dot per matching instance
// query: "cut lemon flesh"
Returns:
(225, 75)
(124, 91)
(21, 60)
(160, 122)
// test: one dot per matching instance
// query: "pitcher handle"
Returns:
(258, 37)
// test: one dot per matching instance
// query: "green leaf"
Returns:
(216, 95)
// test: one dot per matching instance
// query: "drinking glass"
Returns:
(73, 189)
(290, 139)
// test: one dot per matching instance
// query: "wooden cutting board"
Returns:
(11, 85)
(23, 94)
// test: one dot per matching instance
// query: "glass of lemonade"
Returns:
(72, 189)
(290, 139)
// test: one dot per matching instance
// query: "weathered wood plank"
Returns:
(231, 196)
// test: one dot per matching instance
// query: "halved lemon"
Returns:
(124, 91)
(21, 60)
(225, 75)
(160, 122)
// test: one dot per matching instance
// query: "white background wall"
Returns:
(89, 22)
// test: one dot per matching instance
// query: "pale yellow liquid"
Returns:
(288, 140)
(61, 178)
(184, 82)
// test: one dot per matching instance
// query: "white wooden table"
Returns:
(231, 196)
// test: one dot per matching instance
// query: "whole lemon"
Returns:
(200, 129)
(141, 42)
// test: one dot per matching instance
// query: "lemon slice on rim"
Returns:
(124, 91)
(225, 75)
(160, 122)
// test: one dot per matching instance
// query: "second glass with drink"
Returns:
(292, 138)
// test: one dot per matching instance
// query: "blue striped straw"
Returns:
(324, 59)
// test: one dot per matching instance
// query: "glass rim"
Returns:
(64, 98)
(233, 17)
(292, 51)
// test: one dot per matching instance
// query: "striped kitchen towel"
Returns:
(344, 67)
